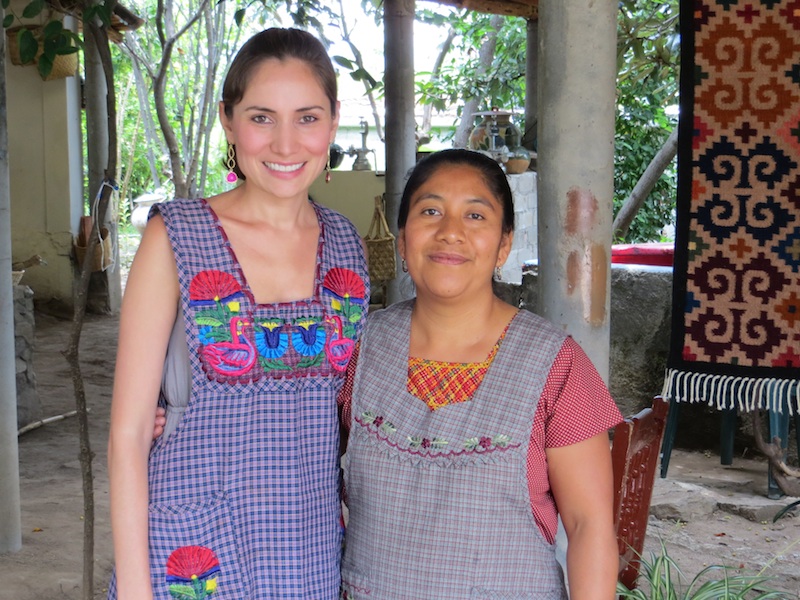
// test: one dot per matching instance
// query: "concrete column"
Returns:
(577, 75)
(401, 150)
(10, 523)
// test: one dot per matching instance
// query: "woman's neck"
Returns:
(457, 331)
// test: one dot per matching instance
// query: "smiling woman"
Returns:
(240, 314)
(472, 425)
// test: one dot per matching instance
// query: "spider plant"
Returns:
(661, 578)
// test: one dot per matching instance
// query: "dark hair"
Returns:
(282, 44)
(490, 171)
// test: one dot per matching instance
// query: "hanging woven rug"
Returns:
(736, 311)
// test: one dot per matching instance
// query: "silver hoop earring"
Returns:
(404, 265)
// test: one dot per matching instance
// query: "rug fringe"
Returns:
(729, 391)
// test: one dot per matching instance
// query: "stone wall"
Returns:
(28, 406)
(641, 309)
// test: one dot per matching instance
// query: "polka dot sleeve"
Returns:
(575, 405)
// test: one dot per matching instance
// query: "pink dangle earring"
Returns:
(230, 163)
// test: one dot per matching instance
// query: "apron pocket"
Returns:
(193, 551)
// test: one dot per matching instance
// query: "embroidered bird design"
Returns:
(234, 358)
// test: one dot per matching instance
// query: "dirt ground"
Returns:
(49, 566)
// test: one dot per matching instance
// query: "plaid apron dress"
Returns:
(244, 500)
(439, 501)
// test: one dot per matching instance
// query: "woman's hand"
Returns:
(160, 422)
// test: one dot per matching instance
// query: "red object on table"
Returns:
(658, 254)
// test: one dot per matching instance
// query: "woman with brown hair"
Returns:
(240, 314)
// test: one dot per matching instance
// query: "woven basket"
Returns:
(64, 65)
(380, 246)
(104, 252)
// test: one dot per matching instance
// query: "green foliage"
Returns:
(661, 578)
(504, 83)
(647, 83)
(642, 127)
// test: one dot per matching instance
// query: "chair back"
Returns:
(634, 455)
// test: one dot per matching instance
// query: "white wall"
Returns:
(45, 171)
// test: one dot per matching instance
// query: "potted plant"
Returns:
(48, 44)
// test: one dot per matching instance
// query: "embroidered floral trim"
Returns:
(433, 446)
(192, 573)
(232, 347)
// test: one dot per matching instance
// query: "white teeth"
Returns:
(283, 168)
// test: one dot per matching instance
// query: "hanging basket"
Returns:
(64, 65)
(104, 251)
(380, 246)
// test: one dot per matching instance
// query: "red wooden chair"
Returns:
(634, 454)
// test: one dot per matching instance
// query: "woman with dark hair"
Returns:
(240, 314)
(472, 424)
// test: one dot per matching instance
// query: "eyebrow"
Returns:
(272, 110)
(476, 200)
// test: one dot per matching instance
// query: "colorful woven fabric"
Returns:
(439, 383)
(737, 263)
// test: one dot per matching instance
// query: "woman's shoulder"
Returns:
(335, 220)
(178, 206)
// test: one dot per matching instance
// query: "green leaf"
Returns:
(53, 29)
(33, 9)
(182, 592)
(45, 66)
(238, 16)
(345, 62)
(5, 4)
(28, 46)
(7, 21)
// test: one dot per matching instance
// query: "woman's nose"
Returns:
(451, 229)
(284, 139)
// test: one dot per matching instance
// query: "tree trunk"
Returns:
(71, 353)
(485, 58)
(645, 185)
(427, 110)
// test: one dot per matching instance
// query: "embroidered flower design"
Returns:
(211, 288)
(192, 573)
(347, 293)
(271, 341)
(426, 443)
(370, 418)
(308, 338)
(486, 443)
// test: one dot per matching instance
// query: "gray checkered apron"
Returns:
(244, 499)
(439, 501)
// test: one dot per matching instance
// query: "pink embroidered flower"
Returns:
(426, 443)
(378, 421)
(486, 442)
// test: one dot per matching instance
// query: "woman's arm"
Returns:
(582, 484)
(148, 312)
